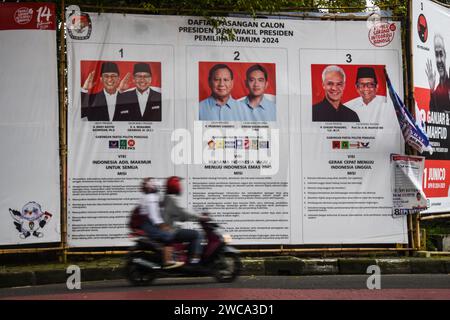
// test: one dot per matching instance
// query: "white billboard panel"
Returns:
(29, 188)
(237, 121)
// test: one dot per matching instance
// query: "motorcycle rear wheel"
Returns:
(227, 267)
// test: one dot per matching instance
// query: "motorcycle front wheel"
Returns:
(227, 267)
(138, 275)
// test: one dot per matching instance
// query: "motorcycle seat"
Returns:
(135, 233)
(142, 238)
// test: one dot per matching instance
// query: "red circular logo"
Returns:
(23, 15)
(422, 28)
(381, 34)
(131, 143)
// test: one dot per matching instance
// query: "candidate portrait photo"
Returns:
(348, 93)
(237, 91)
(121, 91)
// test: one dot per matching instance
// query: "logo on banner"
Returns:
(219, 144)
(23, 15)
(363, 145)
(30, 220)
(114, 144)
(359, 145)
(422, 28)
(263, 144)
(336, 144)
(381, 34)
(123, 144)
(79, 26)
(246, 144)
(230, 144)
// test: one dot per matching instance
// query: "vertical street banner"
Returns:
(430, 44)
(281, 132)
(407, 194)
(30, 187)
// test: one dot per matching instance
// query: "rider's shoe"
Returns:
(173, 264)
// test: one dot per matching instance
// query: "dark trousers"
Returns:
(192, 237)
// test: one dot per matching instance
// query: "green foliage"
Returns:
(398, 7)
(339, 6)
(221, 7)
(437, 226)
(209, 8)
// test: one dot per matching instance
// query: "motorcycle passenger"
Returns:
(153, 225)
(173, 213)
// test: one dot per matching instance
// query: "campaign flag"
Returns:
(412, 131)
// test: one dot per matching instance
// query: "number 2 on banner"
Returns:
(44, 12)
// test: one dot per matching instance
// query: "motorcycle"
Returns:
(144, 261)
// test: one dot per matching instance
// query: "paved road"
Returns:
(410, 286)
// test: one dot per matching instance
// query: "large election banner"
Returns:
(430, 43)
(29, 165)
(283, 133)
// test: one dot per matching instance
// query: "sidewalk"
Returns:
(112, 268)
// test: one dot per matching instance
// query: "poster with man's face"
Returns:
(247, 91)
(430, 37)
(347, 93)
(109, 90)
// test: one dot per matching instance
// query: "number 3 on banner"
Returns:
(44, 12)
(349, 58)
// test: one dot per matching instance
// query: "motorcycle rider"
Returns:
(173, 213)
(153, 224)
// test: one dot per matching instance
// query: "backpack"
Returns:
(136, 219)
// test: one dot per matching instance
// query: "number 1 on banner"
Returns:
(121, 53)
(44, 12)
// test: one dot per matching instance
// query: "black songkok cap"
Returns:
(366, 72)
(142, 67)
(109, 67)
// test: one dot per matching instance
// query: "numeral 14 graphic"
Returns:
(44, 13)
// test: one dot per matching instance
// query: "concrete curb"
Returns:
(258, 267)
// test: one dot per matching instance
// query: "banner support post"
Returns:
(410, 233)
(63, 135)
(417, 230)
(415, 220)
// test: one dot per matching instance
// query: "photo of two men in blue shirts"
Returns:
(221, 106)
